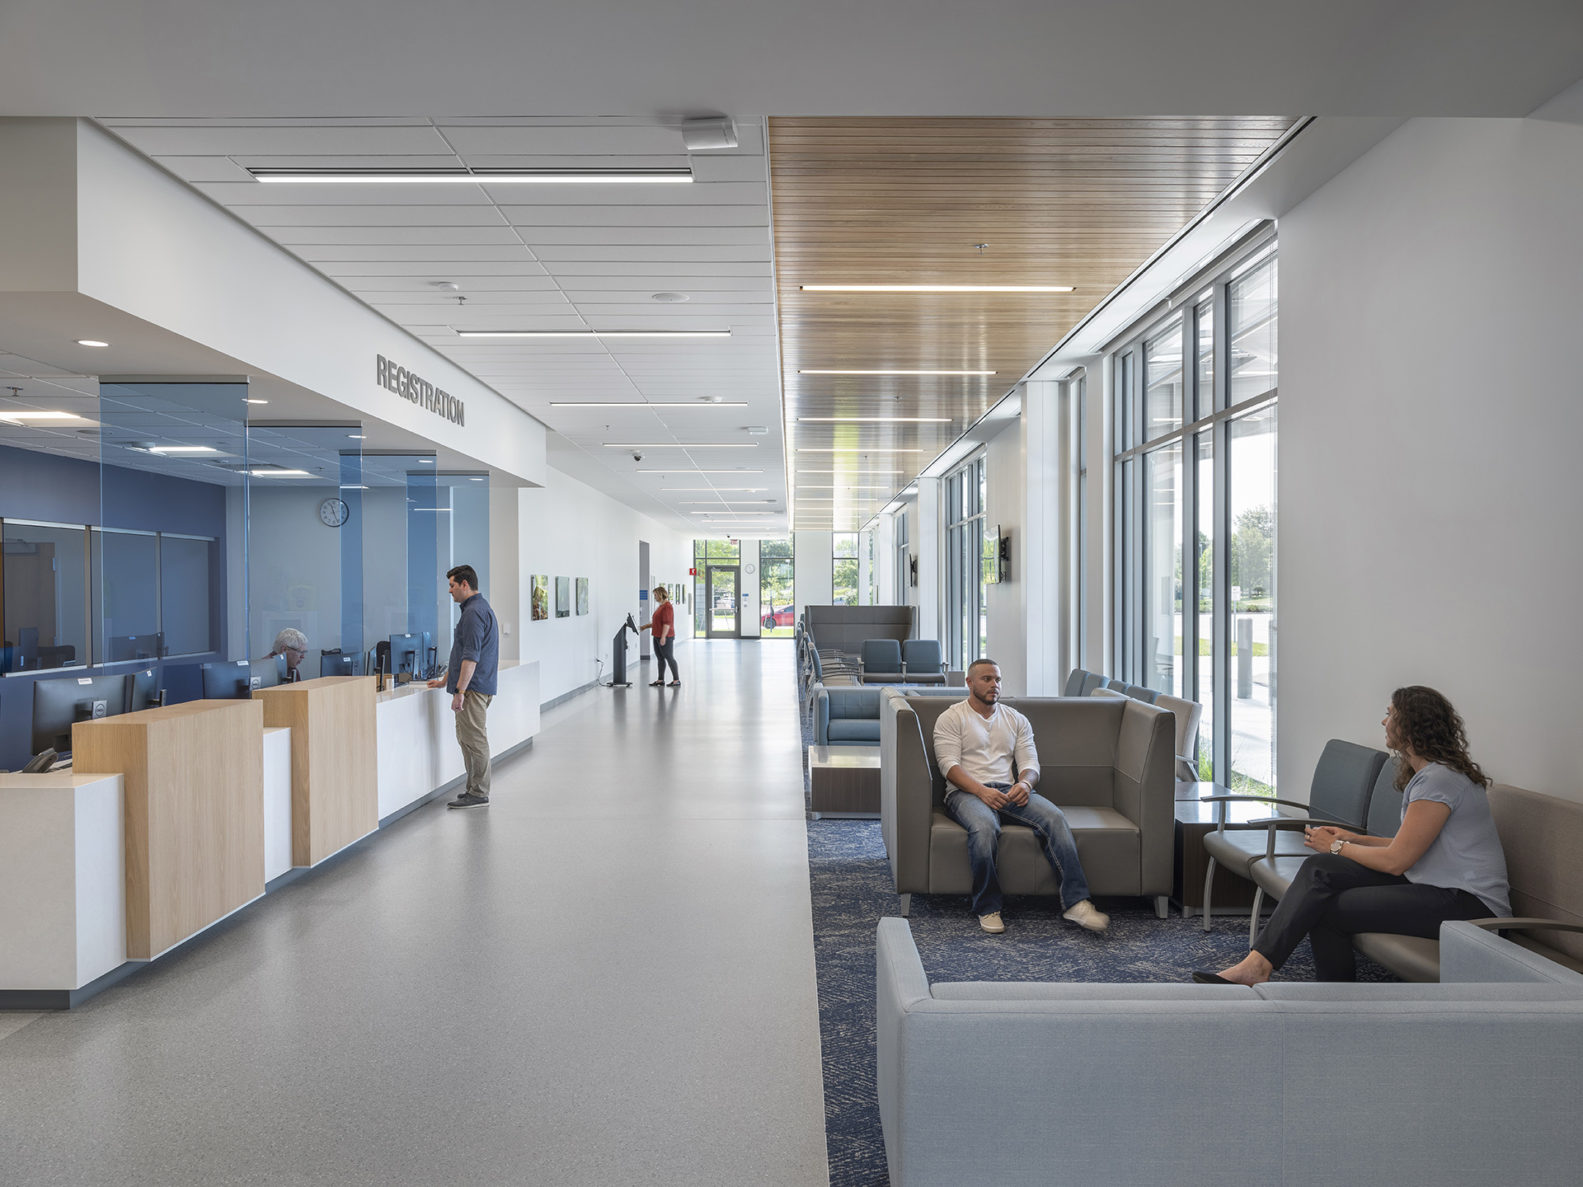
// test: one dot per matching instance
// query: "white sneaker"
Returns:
(1086, 915)
(991, 923)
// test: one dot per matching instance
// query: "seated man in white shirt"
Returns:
(976, 742)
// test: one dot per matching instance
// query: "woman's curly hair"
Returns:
(1427, 725)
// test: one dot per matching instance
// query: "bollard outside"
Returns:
(1244, 658)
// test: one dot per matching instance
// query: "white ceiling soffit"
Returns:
(436, 259)
(813, 58)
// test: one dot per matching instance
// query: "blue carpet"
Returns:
(851, 888)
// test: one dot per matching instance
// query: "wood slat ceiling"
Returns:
(1078, 202)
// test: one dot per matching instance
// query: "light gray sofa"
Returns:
(1472, 1081)
(842, 629)
(1106, 762)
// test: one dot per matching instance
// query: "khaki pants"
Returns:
(474, 741)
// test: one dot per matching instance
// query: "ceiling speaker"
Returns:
(715, 132)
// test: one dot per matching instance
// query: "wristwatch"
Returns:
(1335, 846)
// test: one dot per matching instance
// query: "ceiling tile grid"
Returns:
(553, 257)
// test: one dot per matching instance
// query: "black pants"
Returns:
(666, 653)
(1332, 899)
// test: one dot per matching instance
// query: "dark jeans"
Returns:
(666, 653)
(1333, 898)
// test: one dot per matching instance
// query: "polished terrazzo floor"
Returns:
(605, 977)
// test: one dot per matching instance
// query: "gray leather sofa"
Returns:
(842, 629)
(1106, 762)
(1469, 1082)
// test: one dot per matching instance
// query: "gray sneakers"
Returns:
(468, 801)
(1087, 916)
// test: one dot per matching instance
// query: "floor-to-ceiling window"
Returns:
(967, 623)
(1193, 404)
(776, 589)
(844, 569)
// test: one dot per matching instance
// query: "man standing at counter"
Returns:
(470, 679)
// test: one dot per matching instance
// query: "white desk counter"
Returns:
(62, 880)
(418, 753)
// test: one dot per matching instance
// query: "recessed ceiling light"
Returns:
(250, 400)
(91, 342)
(25, 416)
(475, 480)
(357, 436)
(353, 486)
(735, 514)
(663, 176)
(891, 371)
(869, 470)
(593, 333)
(280, 474)
(937, 288)
(182, 449)
(425, 461)
(682, 445)
(801, 486)
(644, 404)
(650, 470)
(930, 420)
(669, 298)
(858, 449)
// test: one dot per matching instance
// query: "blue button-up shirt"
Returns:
(478, 639)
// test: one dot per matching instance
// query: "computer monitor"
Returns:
(143, 691)
(60, 703)
(124, 647)
(230, 681)
(404, 651)
(266, 673)
(337, 663)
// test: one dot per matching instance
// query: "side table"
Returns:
(1193, 821)
(843, 781)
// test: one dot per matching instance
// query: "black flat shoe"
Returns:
(656, 684)
(1202, 978)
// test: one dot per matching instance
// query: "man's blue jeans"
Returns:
(983, 836)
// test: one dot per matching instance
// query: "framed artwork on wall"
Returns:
(563, 597)
(582, 595)
(541, 597)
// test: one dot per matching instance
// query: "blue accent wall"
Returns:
(53, 489)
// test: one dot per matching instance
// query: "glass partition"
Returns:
(46, 588)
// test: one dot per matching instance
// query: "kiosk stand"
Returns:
(618, 655)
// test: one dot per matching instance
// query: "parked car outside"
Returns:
(775, 618)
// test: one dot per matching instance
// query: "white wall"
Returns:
(812, 568)
(568, 529)
(1431, 415)
(1004, 474)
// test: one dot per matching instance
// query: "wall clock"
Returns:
(749, 569)
(334, 512)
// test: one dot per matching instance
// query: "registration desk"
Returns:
(176, 817)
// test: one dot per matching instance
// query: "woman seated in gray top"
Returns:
(1445, 861)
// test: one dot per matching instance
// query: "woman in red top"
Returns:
(663, 624)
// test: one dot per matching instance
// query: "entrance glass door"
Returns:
(722, 587)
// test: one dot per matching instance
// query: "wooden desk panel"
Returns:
(334, 761)
(194, 813)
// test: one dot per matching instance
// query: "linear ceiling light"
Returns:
(707, 490)
(889, 371)
(868, 470)
(182, 449)
(279, 473)
(651, 470)
(91, 342)
(681, 445)
(842, 420)
(858, 449)
(937, 288)
(645, 404)
(19, 417)
(593, 333)
(662, 176)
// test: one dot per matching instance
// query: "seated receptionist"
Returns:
(293, 644)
